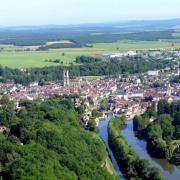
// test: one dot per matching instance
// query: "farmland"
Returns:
(25, 59)
(41, 46)
(37, 59)
(135, 45)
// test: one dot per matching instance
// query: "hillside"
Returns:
(45, 140)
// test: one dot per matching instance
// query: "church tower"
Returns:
(66, 77)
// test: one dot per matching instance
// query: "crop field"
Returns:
(26, 59)
(135, 45)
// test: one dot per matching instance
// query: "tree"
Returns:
(96, 114)
(5, 100)
(176, 120)
(138, 123)
(92, 125)
(177, 132)
(81, 109)
(155, 174)
(165, 122)
(154, 131)
(163, 107)
(151, 112)
(104, 105)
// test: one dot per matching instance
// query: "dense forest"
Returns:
(82, 36)
(163, 134)
(53, 73)
(45, 140)
(129, 162)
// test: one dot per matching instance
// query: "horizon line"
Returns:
(87, 23)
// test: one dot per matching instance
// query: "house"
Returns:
(153, 73)
(138, 81)
(155, 53)
(136, 94)
(131, 53)
(3, 129)
(34, 84)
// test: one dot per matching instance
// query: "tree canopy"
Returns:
(47, 141)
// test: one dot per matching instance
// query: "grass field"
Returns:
(25, 59)
(127, 45)
(37, 59)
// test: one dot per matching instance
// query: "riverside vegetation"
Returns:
(129, 162)
(163, 134)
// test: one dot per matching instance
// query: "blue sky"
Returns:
(39, 12)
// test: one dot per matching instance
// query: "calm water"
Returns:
(169, 171)
(103, 133)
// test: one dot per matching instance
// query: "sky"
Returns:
(43, 12)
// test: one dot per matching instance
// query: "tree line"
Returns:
(55, 73)
(87, 59)
(61, 45)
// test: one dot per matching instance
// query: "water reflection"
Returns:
(165, 165)
(169, 171)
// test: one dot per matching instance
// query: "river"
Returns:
(169, 171)
(103, 133)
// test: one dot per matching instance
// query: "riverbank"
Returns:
(103, 133)
(161, 130)
(129, 162)
(169, 171)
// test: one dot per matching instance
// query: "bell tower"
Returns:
(66, 77)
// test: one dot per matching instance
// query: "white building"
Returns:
(153, 73)
(131, 53)
(125, 54)
(33, 84)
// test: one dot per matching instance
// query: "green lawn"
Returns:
(27, 59)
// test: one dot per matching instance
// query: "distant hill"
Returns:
(146, 30)
(170, 23)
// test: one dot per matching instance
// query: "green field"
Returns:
(37, 59)
(132, 45)
(25, 59)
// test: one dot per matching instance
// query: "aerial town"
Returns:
(128, 95)
(89, 90)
